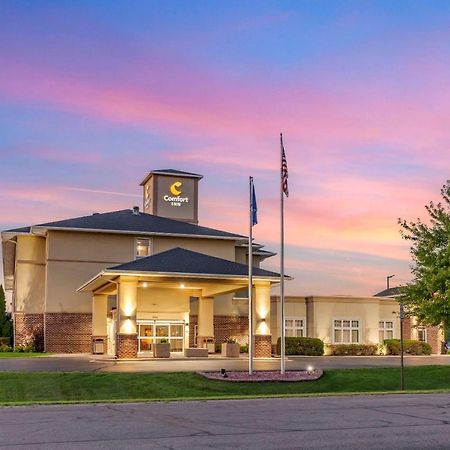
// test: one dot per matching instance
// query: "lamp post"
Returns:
(402, 374)
(387, 280)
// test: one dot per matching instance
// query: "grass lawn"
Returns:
(21, 355)
(34, 387)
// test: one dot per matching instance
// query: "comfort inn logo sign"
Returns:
(175, 199)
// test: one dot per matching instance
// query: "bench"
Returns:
(192, 352)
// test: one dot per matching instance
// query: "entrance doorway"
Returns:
(155, 331)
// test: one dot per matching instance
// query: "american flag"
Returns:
(284, 170)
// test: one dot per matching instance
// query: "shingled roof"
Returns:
(124, 221)
(182, 261)
(391, 292)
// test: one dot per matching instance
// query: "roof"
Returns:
(124, 221)
(18, 230)
(171, 172)
(182, 261)
(391, 292)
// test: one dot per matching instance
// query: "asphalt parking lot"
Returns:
(344, 422)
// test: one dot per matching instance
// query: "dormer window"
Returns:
(142, 248)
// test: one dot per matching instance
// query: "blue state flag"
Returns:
(254, 207)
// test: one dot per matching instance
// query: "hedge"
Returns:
(352, 350)
(410, 347)
(301, 346)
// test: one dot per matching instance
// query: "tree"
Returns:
(6, 328)
(427, 297)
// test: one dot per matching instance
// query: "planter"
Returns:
(161, 350)
(230, 350)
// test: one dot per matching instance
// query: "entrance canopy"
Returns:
(182, 268)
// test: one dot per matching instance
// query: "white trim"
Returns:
(150, 247)
(37, 229)
(351, 328)
(385, 330)
(294, 318)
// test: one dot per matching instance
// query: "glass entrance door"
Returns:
(154, 331)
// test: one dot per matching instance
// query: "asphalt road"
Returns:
(88, 363)
(368, 422)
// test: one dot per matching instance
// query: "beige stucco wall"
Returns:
(163, 304)
(293, 307)
(214, 247)
(320, 312)
(99, 315)
(364, 309)
(73, 258)
(30, 274)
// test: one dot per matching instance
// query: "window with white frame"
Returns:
(346, 331)
(142, 248)
(385, 330)
(422, 334)
(294, 326)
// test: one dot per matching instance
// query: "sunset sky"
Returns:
(94, 94)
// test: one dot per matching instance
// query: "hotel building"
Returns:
(119, 282)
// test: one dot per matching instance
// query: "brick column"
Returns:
(127, 346)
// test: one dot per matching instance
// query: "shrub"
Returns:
(243, 349)
(301, 346)
(24, 349)
(410, 347)
(4, 340)
(352, 350)
(5, 348)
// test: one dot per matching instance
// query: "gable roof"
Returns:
(188, 262)
(391, 292)
(124, 221)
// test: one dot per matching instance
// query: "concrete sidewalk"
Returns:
(93, 363)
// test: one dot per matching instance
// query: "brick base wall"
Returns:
(127, 346)
(193, 322)
(231, 326)
(29, 330)
(263, 346)
(68, 332)
(434, 339)
(224, 328)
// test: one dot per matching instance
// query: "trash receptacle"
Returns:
(99, 347)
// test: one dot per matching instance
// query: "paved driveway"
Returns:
(88, 363)
(361, 422)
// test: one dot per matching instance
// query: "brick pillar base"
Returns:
(263, 346)
(127, 346)
(29, 330)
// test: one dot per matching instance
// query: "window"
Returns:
(385, 330)
(142, 248)
(422, 334)
(345, 331)
(294, 326)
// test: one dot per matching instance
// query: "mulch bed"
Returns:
(265, 375)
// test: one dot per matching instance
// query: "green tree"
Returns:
(6, 328)
(428, 296)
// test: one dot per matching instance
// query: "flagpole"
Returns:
(283, 345)
(250, 280)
